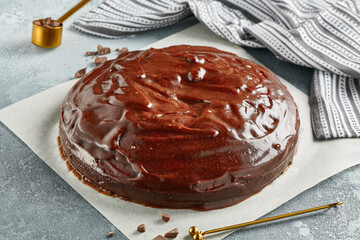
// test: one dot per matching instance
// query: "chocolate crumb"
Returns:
(46, 21)
(103, 50)
(80, 73)
(141, 228)
(159, 237)
(88, 53)
(100, 60)
(123, 50)
(37, 23)
(54, 24)
(172, 234)
(165, 217)
(110, 234)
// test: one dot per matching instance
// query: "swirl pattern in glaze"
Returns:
(180, 127)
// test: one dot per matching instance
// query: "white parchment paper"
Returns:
(35, 121)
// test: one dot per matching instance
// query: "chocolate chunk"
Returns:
(110, 234)
(46, 21)
(141, 228)
(159, 237)
(103, 50)
(38, 23)
(55, 24)
(80, 73)
(123, 50)
(172, 234)
(100, 60)
(88, 53)
(165, 217)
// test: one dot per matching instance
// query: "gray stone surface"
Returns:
(35, 203)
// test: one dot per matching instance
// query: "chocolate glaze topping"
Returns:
(180, 127)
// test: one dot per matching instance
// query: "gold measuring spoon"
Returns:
(47, 32)
(198, 235)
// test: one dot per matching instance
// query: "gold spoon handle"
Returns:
(193, 231)
(71, 11)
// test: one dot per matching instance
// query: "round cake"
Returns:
(179, 127)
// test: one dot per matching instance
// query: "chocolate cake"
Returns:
(180, 127)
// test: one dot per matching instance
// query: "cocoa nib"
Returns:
(172, 234)
(80, 73)
(100, 60)
(165, 217)
(141, 228)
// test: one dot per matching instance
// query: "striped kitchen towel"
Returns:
(321, 34)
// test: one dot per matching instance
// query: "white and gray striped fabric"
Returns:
(321, 34)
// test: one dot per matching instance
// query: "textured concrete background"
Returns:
(35, 203)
